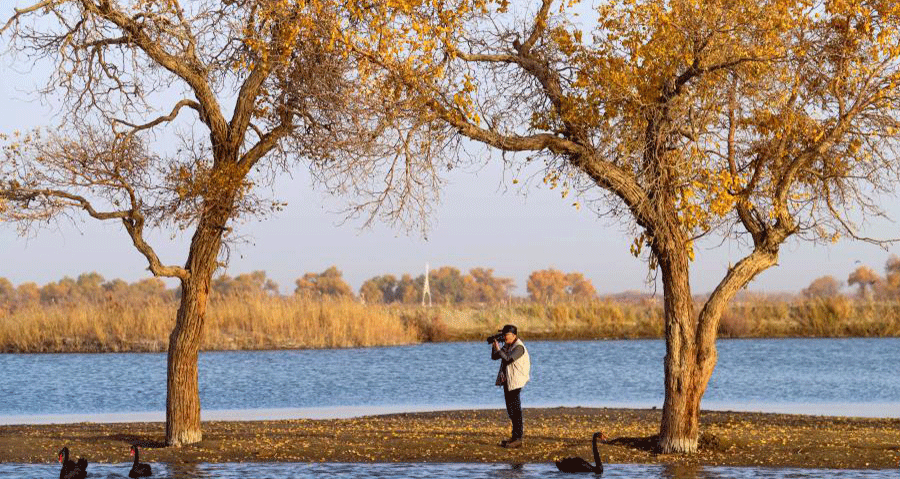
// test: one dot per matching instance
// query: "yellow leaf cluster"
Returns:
(736, 89)
(638, 244)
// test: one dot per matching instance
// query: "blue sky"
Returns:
(482, 221)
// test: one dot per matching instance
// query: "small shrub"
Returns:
(732, 325)
(427, 325)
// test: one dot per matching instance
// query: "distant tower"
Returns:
(426, 289)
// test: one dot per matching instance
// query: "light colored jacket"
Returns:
(518, 371)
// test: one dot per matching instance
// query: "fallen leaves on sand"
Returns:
(736, 439)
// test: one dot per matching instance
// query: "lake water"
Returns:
(852, 377)
(432, 470)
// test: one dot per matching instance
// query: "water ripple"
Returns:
(819, 376)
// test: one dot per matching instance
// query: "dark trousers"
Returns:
(514, 410)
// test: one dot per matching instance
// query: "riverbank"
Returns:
(727, 439)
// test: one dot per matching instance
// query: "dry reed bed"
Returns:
(831, 317)
(297, 323)
(234, 323)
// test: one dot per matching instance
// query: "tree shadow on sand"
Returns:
(137, 440)
(646, 444)
(650, 444)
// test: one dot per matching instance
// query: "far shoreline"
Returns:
(119, 349)
(727, 438)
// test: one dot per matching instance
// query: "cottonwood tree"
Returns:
(329, 283)
(580, 288)
(447, 285)
(246, 285)
(174, 115)
(409, 289)
(865, 277)
(482, 286)
(823, 287)
(757, 120)
(546, 285)
(379, 290)
(549, 285)
(892, 277)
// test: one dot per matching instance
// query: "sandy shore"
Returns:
(728, 438)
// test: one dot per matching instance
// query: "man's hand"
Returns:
(496, 346)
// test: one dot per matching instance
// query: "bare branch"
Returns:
(27, 10)
(540, 27)
(27, 195)
(266, 143)
(134, 224)
(167, 118)
(187, 68)
(132, 219)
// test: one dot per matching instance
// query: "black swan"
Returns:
(577, 464)
(71, 469)
(138, 469)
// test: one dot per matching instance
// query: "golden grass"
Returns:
(233, 323)
(587, 320)
(832, 317)
(293, 322)
(262, 322)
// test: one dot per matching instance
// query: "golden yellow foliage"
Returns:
(722, 104)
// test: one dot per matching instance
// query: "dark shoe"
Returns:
(515, 443)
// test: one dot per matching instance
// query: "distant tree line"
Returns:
(448, 285)
(868, 283)
(87, 288)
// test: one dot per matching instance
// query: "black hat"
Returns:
(509, 328)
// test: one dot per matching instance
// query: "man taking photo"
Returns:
(515, 371)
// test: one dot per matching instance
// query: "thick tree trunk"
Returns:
(182, 386)
(183, 391)
(691, 342)
(687, 375)
(685, 378)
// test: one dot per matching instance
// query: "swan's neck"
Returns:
(135, 456)
(597, 460)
